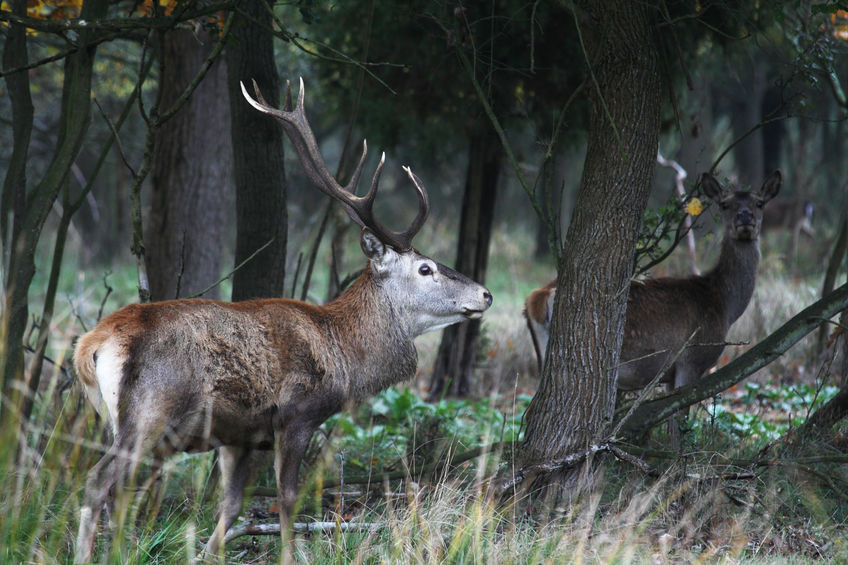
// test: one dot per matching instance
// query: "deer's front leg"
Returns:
(290, 445)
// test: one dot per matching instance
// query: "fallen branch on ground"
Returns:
(251, 529)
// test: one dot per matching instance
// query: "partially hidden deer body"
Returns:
(678, 326)
(790, 214)
(193, 375)
(538, 311)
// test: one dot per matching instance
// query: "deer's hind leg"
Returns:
(119, 462)
(235, 472)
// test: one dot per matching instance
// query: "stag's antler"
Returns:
(360, 208)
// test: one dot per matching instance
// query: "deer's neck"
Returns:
(372, 337)
(735, 275)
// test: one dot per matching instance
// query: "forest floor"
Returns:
(730, 494)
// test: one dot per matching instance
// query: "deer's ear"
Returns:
(371, 245)
(771, 186)
(712, 189)
(380, 255)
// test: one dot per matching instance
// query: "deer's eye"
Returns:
(425, 270)
(723, 205)
(760, 203)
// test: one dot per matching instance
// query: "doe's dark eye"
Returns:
(425, 270)
(723, 205)
(760, 203)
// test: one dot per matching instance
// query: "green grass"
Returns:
(699, 510)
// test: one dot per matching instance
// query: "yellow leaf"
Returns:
(694, 207)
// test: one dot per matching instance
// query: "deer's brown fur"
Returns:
(678, 325)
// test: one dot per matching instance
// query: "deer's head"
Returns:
(429, 295)
(741, 211)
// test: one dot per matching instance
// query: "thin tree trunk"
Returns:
(453, 370)
(746, 111)
(30, 215)
(257, 143)
(191, 174)
(14, 204)
(576, 397)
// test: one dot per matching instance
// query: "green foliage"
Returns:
(381, 431)
(763, 412)
(661, 230)
(414, 81)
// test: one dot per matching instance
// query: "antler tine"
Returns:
(423, 206)
(360, 209)
(354, 178)
(300, 133)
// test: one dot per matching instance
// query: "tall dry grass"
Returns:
(697, 511)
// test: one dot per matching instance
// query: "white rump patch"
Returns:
(108, 368)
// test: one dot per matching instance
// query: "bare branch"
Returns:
(251, 529)
(769, 349)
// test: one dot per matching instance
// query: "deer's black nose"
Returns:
(487, 296)
(745, 217)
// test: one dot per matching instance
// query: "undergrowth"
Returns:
(413, 474)
(717, 504)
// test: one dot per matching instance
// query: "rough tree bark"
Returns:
(191, 173)
(576, 397)
(454, 366)
(257, 142)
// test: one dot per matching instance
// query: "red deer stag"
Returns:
(664, 313)
(193, 375)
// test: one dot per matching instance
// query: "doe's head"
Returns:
(741, 211)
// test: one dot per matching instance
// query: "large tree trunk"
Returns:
(454, 366)
(260, 173)
(576, 397)
(191, 174)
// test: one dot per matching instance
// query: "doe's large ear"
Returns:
(712, 189)
(771, 186)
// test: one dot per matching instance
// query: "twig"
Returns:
(119, 25)
(198, 77)
(601, 98)
(643, 394)
(105, 297)
(61, 366)
(114, 131)
(228, 275)
(296, 273)
(313, 253)
(739, 139)
(251, 529)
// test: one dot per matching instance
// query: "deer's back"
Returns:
(211, 368)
